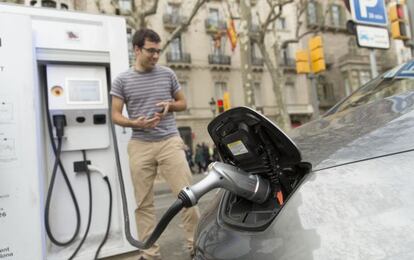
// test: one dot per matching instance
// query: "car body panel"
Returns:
(356, 134)
(362, 210)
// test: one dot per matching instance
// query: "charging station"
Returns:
(60, 64)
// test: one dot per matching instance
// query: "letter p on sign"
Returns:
(365, 4)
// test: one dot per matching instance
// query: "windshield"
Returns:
(376, 89)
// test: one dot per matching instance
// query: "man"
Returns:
(151, 94)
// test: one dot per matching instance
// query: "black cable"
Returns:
(57, 152)
(90, 207)
(109, 218)
(164, 221)
(166, 218)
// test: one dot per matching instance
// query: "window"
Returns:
(327, 92)
(290, 93)
(174, 11)
(281, 23)
(257, 90)
(311, 13)
(218, 45)
(286, 58)
(213, 16)
(255, 50)
(219, 88)
(176, 48)
(377, 89)
(125, 5)
(336, 16)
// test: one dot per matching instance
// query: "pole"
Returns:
(315, 101)
(410, 5)
(373, 61)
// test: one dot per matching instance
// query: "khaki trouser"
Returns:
(169, 157)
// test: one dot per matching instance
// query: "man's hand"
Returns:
(165, 107)
(145, 122)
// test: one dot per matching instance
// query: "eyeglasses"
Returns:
(152, 51)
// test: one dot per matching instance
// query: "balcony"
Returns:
(172, 21)
(288, 64)
(179, 60)
(257, 63)
(214, 26)
(219, 61)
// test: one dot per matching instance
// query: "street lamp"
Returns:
(212, 104)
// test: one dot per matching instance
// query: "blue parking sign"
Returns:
(371, 12)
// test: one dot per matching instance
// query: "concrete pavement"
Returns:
(172, 240)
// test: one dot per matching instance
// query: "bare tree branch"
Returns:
(300, 11)
(273, 15)
(152, 10)
(184, 25)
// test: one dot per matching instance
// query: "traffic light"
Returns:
(302, 62)
(220, 106)
(398, 15)
(226, 101)
(316, 54)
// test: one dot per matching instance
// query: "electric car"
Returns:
(342, 186)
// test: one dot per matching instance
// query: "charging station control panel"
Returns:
(80, 93)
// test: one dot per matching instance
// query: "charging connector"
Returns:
(59, 122)
(81, 166)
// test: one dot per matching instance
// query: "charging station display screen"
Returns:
(84, 91)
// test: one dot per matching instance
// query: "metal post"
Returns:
(373, 61)
(314, 93)
(410, 5)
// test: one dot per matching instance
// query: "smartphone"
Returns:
(151, 114)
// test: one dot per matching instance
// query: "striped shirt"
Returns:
(141, 91)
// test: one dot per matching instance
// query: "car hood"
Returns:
(364, 132)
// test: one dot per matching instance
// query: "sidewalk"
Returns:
(161, 187)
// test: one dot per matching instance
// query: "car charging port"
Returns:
(250, 216)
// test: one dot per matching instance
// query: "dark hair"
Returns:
(144, 34)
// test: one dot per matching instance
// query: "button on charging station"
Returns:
(80, 119)
(99, 119)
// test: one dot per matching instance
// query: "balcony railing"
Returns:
(257, 61)
(219, 59)
(177, 57)
(172, 21)
(213, 25)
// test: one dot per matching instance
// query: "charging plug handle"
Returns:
(220, 175)
(59, 122)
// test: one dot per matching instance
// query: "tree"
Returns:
(245, 53)
(273, 62)
(136, 17)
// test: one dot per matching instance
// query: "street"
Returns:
(172, 241)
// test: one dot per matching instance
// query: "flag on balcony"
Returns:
(232, 34)
(217, 40)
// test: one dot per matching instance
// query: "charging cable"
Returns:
(59, 122)
(93, 168)
(88, 225)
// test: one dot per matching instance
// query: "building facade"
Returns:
(207, 67)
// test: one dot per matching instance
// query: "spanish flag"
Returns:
(232, 34)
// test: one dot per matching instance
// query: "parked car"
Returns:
(346, 181)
